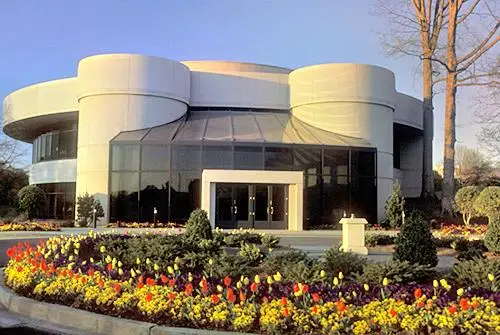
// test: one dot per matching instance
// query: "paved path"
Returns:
(11, 323)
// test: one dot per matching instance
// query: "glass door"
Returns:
(261, 206)
(278, 207)
(242, 205)
(224, 210)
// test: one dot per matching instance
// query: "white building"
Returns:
(255, 145)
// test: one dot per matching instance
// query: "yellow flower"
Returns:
(322, 273)
(246, 281)
(435, 283)
(91, 260)
(70, 258)
(75, 251)
(210, 261)
(176, 267)
(366, 287)
(170, 269)
(269, 280)
(460, 292)
(103, 249)
(120, 272)
(120, 264)
(341, 275)
(220, 288)
(148, 261)
(443, 282)
(491, 277)
(156, 267)
(190, 277)
(385, 282)
(257, 279)
(138, 261)
(238, 285)
(277, 276)
(132, 273)
(335, 281)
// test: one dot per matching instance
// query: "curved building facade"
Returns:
(255, 145)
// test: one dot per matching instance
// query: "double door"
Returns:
(259, 206)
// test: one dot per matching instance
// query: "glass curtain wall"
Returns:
(60, 200)
(55, 145)
(167, 177)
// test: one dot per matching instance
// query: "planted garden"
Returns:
(245, 282)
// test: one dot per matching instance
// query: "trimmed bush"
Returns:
(346, 262)
(278, 261)
(198, 226)
(379, 239)
(474, 273)
(415, 243)
(488, 204)
(396, 271)
(32, 200)
(464, 199)
(85, 209)
(394, 207)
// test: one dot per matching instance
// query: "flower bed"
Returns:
(454, 230)
(144, 225)
(80, 272)
(29, 226)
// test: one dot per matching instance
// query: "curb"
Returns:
(88, 321)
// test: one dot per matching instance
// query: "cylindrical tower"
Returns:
(120, 92)
(354, 100)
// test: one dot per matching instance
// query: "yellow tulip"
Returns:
(269, 280)
(138, 261)
(91, 260)
(335, 281)
(385, 282)
(176, 267)
(148, 261)
(322, 274)
(491, 277)
(246, 281)
(460, 292)
(120, 272)
(156, 267)
(366, 287)
(341, 275)
(435, 283)
(103, 249)
(220, 288)
(70, 258)
(257, 279)
(170, 269)
(238, 285)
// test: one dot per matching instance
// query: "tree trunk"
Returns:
(428, 174)
(449, 114)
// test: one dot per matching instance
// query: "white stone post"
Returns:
(353, 235)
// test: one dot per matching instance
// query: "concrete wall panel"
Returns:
(58, 171)
(409, 111)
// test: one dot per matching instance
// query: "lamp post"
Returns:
(94, 211)
(155, 211)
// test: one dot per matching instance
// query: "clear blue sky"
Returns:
(43, 40)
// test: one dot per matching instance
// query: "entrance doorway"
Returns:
(259, 206)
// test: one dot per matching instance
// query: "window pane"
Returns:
(364, 198)
(312, 201)
(248, 158)
(336, 162)
(307, 160)
(55, 146)
(335, 197)
(124, 196)
(217, 157)
(125, 157)
(155, 158)
(278, 158)
(185, 194)
(186, 157)
(154, 194)
(363, 164)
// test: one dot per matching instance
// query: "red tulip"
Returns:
(253, 287)
(242, 296)
(341, 306)
(393, 312)
(227, 281)
(417, 293)
(117, 288)
(315, 309)
(215, 298)
(286, 312)
(296, 288)
(164, 279)
(464, 304)
(315, 297)
(171, 283)
(230, 295)
(189, 289)
(149, 296)
(452, 309)
(284, 301)
(171, 296)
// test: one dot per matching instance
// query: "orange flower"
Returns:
(464, 304)
(90, 272)
(215, 298)
(417, 293)
(189, 289)
(83, 280)
(117, 288)
(171, 283)
(341, 306)
(230, 295)
(315, 309)
(164, 279)
(63, 273)
(19, 268)
(242, 296)
(284, 301)
(452, 309)
(140, 285)
(393, 312)
(204, 286)
(420, 304)
(10, 252)
(475, 304)
(149, 296)
(286, 312)
(296, 287)
(150, 282)
(305, 288)
(253, 287)
(227, 281)
(315, 297)
(109, 267)
(171, 296)
(141, 279)
(101, 282)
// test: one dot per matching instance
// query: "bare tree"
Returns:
(463, 70)
(413, 28)
(472, 166)
(488, 116)
(11, 152)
